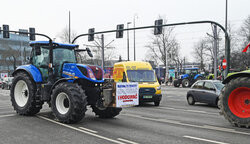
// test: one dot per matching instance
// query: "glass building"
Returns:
(13, 51)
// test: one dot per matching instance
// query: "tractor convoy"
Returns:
(54, 76)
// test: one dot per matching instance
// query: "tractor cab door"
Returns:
(61, 56)
(40, 59)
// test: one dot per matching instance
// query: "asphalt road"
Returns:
(173, 122)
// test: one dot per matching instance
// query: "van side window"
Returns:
(124, 79)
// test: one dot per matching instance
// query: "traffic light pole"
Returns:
(227, 41)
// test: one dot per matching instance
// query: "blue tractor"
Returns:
(189, 76)
(53, 76)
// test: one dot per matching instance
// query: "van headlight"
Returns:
(159, 88)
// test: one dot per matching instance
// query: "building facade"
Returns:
(13, 51)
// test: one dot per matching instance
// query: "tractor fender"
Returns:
(198, 75)
(184, 76)
(70, 80)
(31, 70)
(240, 74)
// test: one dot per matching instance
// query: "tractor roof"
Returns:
(55, 44)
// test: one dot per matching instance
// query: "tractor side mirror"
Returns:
(37, 50)
(89, 52)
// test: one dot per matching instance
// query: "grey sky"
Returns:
(51, 16)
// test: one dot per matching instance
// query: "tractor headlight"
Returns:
(159, 88)
(91, 74)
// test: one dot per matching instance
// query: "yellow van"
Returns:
(143, 73)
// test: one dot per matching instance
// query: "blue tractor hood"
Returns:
(76, 71)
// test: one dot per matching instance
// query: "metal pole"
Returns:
(69, 28)
(215, 52)
(134, 40)
(128, 38)
(227, 51)
(102, 39)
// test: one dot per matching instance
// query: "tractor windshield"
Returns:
(191, 71)
(61, 55)
(141, 76)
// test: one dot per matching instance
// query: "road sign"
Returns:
(224, 64)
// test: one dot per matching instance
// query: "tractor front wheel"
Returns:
(23, 95)
(185, 83)
(234, 102)
(68, 102)
(108, 112)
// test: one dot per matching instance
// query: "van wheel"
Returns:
(157, 103)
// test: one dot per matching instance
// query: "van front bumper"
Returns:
(150, 98)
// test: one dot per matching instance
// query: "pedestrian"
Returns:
(170, 80)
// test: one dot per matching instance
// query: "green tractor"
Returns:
(234, 101)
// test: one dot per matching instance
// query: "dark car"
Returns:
(205, 91)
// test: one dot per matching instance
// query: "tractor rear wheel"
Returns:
(23, 95)
(185, 83)
(108, 112)
(234, 102)
(176, 83)
(68, 102)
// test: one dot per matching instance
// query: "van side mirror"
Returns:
(37, 50)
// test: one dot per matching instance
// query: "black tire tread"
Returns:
(34, 104)
(78, 100)
(109, 112)
(176, 83)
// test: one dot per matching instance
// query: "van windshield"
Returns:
(141, 75)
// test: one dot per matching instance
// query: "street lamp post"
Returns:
(128, 38)
(135, 16)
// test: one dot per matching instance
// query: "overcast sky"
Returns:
(51, 16)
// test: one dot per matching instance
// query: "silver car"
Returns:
(205, 91)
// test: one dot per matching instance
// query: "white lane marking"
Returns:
(8, 115)
(127, 141)
(80, 130)
(190, 125)
(194, 111)
(206, 140)
(89, 130)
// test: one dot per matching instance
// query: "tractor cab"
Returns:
(62, 53)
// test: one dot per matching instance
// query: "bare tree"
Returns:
(200, 52)
(164, 45)
(241, 60)
(64, 35)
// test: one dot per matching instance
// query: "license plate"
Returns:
(147, 97)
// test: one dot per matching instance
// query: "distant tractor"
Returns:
(234, 101)
(189, 76)
(53, 76)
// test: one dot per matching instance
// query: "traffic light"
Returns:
(91, 34)
(119, 32)
(158, 28)
(32, 34)
(6, 33)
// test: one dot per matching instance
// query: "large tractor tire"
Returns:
(108, 112)
(23, 95)
(185, 83)
(234, 102)
(176, 83)
(68, 102)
